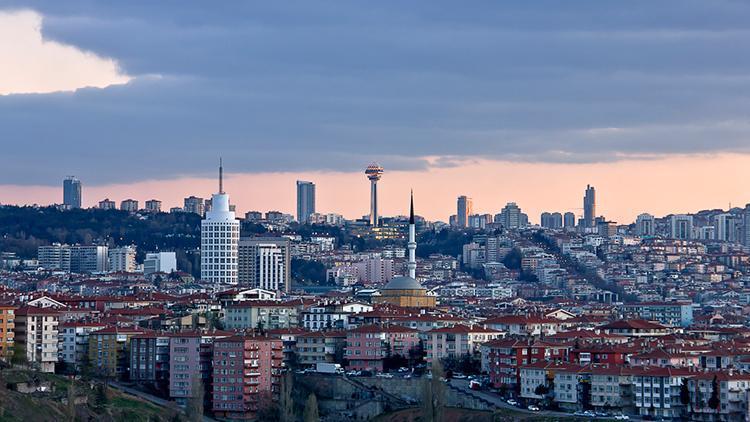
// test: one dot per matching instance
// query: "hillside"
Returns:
(23, 229)
(93, 403)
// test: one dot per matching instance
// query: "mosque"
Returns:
(406, 291)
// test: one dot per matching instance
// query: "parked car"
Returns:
(475, 385)
(512, 402)
(533, 408)
(459, 376)
(384, 376)
(622, 417)
(589, 414)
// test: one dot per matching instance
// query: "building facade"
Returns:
(36, 330)
(72, 192)
(265, 262)
(220, 236)
(122, 259)
(305, 201)
(246, 370)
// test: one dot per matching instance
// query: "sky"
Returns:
(500, 101)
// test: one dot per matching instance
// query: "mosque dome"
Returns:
(403, 283)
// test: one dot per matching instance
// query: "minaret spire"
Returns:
(221, 176)
(412, 245)
(411, 209)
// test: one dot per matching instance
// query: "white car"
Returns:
(512, 402)
(533, 408)
(622, 417)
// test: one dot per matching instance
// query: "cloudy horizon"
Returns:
(495, 102)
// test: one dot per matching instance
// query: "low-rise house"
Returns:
(36, 331)
(190, 362)
(109, 351)
(661, 357)
(457, 340)
(7, 328)
(572, 385)
(149, 360)
(367, 346)
(524, 325)
(73, 347)
(656, 390)
(265, 314)
(611, 388)
(732, 390)
(320, 346)
(636, 328)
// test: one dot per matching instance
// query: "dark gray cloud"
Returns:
(280, 86)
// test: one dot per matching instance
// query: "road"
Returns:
(498, 401)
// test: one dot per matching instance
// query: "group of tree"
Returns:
(308, 272)
(466, 363)
(445, 242)
(24, 229)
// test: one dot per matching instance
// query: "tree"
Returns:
(72, 400)
(194, 407)
(19, 357)
(311, 409)
(268, 409)
(685, 394)
(286, 401)
(713, 401)
(433, 400)
(541, 390)
(417, 354)
(100, 395)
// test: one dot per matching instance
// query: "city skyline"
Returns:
(622, 192)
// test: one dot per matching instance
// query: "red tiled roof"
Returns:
(633, 324)
(463, 329)
(374, 328)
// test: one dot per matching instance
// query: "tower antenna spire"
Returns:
(221, 176)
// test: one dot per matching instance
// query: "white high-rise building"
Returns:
(265, 263)
(725, 228)
(645, 225)
(159, 262)
(220, 236)
(682, 226)
(75, 258)
(122, 259)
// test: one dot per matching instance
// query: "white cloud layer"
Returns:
(31, 64)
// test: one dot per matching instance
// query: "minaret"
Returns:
(412, 245)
